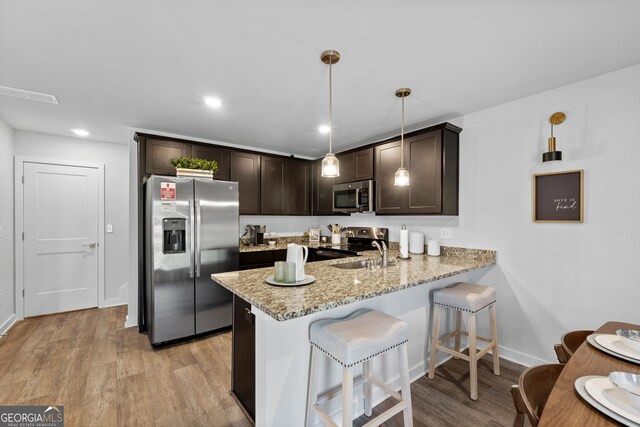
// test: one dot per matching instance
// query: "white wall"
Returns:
(115, 158)
(7, 297)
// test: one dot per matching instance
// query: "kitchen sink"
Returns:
(353, 265)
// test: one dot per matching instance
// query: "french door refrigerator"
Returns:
(191, 232)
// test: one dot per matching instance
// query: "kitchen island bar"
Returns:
(283, 315)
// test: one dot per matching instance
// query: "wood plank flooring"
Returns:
(106, 375)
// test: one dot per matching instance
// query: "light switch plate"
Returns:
(445, 233)
(109, 228)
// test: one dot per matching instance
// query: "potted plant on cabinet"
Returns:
(192, 167)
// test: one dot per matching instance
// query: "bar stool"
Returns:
(469, 298)
(351, 341)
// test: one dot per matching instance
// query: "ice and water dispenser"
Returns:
(173, 231)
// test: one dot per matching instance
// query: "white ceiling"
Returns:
(120, 64)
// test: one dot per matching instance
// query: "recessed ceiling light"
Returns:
(324, 129)
(80, 132)
(212, 101)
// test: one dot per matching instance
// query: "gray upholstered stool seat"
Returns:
(355, 340)
(469, 298)
(358, 337)
(465, 297)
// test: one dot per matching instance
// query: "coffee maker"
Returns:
(254, 234)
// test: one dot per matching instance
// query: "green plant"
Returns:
(193, 163)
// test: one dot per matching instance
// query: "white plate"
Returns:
(307, 280)
(612, 398)
(615, 346)
(580, 388)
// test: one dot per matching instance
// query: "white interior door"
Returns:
(60, 238)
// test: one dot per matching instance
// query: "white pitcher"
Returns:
(298, 254)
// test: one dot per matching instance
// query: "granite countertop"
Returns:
(335, 287)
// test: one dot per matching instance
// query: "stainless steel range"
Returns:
(359, 239)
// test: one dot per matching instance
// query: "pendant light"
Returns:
(402, 175)
(330, 163)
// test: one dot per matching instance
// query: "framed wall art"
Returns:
(558, 197)
(314, 235)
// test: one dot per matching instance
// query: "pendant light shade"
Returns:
(330, 163)
(402, 175)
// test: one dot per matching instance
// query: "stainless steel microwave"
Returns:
(353, 197)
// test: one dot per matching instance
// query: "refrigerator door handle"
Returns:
(197, 238)
(192, 236)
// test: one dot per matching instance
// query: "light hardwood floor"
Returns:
(107, 375)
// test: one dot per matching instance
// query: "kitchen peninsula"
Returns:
(283, 315)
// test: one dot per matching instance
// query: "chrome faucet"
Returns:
(384, 252)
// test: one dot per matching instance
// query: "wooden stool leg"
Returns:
(434, 340)
(458, 329)
(405, 385)
(347, 397)
(473, 361)
(312, 389)
(366, 373)
(494, 338)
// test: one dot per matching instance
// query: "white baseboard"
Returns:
(130, 323)
(4, 328)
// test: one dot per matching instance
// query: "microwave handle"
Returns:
(357, 198)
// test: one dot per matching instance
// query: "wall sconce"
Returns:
(552, 154)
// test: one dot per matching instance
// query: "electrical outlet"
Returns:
(109, 228)
(445, 233)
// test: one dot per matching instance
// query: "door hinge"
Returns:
(23, 235)
(23, 179)
(23, 293)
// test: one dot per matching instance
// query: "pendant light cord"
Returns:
(330, 105)
(402, 137)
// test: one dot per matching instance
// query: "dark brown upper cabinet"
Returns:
(322, 192)
(285, 186)
(159, 152)
(355, 166)
(272, 186)
(245, 169)
(220, 155)
(298, 187)
(431, 157)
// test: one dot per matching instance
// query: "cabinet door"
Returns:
(244, 355)
(272, 185)
(363, 160)
(220, 155)
(159, 152)
(423, 160)
(245, 169)
(322, 191)
(389, 198)
(347, 168)
(298, 187)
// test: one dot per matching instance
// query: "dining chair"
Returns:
(533, 389)
(569, 343)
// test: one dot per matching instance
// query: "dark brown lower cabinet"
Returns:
(243, 382)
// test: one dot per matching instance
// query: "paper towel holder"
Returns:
(404, 227)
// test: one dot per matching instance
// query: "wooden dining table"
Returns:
(564, 406)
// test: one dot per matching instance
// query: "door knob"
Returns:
(92, 245)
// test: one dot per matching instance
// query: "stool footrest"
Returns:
(397, 408)
(327, 420)
(375, 380)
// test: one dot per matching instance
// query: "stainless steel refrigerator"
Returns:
(191, 231)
